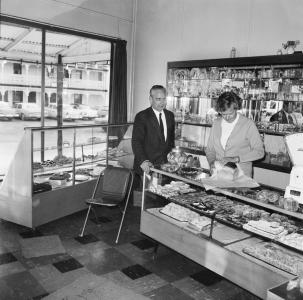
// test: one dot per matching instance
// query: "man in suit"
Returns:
(153, 132)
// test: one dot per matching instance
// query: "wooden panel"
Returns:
(255, 277)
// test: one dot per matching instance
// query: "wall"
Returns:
(107, 17)
(171, 30)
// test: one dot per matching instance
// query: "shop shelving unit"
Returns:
(261, 81)
(226, 258)
(67, 149)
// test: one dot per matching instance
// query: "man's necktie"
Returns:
(161, 126)
(290, 119)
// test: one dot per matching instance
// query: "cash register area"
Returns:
(52, 262)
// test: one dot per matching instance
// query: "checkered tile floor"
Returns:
(129, 264)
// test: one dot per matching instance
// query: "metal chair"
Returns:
(112, 189)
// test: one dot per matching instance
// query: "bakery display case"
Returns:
(251, 236)
(54, 170)
(268, 85)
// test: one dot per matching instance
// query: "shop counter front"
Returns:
(178, 213)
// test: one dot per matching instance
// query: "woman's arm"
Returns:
(210, 148)
(256, 144)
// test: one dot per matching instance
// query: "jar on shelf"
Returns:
(177, 156)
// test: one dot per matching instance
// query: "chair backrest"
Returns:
(114, 184)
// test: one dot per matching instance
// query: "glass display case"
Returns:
(55, 168)
(271, 92)
(253, 237)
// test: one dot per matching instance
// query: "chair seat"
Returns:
(102, 201)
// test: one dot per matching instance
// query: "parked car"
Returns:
(101, 110)
(28, 111)
(86, 112)
(68, 112)
(7, 112)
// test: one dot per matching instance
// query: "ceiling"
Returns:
(22, 42)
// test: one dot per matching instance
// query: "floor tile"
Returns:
(33, 262)
(135, 271)
(11, 268)
(144, 244)
(67, 265)
(135, 254)
(41, 246)
(86, 239)
(7, 258)
(51, 279)
(40, 296)
(104, 260)
(167, 292)
(141, 285)
(167, 268)
(30, 234)
(101, 219)
(94, 287)
(193, 288)
(126, 236)
(24, 285)
(206, 277)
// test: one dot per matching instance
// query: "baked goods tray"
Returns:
(288, 247)
(229, 223)
(268, 262)
(161, 211)
(275, 241)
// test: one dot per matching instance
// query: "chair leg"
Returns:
(86, 218)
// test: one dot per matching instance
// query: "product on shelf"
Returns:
(178, 212)
(81, 177)
(83, 171)
(272, 230)
(291, 204)
(41, 187)
(189, 171)
(59, 179)
(62, 160)
(200, 223)
(37, 166)
(267, 196)
(48, 163)
(173, 189)
(274, 255)
(170, 167)
(294, 240)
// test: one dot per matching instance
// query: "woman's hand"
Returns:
(234, 159)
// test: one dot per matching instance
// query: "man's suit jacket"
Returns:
(147, 140)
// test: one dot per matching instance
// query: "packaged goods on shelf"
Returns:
(294, 240)
(178, 212)
(276, 256)
(271, 230)
(200, 223)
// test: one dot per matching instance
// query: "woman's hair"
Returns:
(225, 101)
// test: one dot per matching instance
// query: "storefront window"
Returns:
(82, 64)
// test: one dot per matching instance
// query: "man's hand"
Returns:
(234, 159)
(145, 166)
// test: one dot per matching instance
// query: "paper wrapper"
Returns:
(242, 181)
